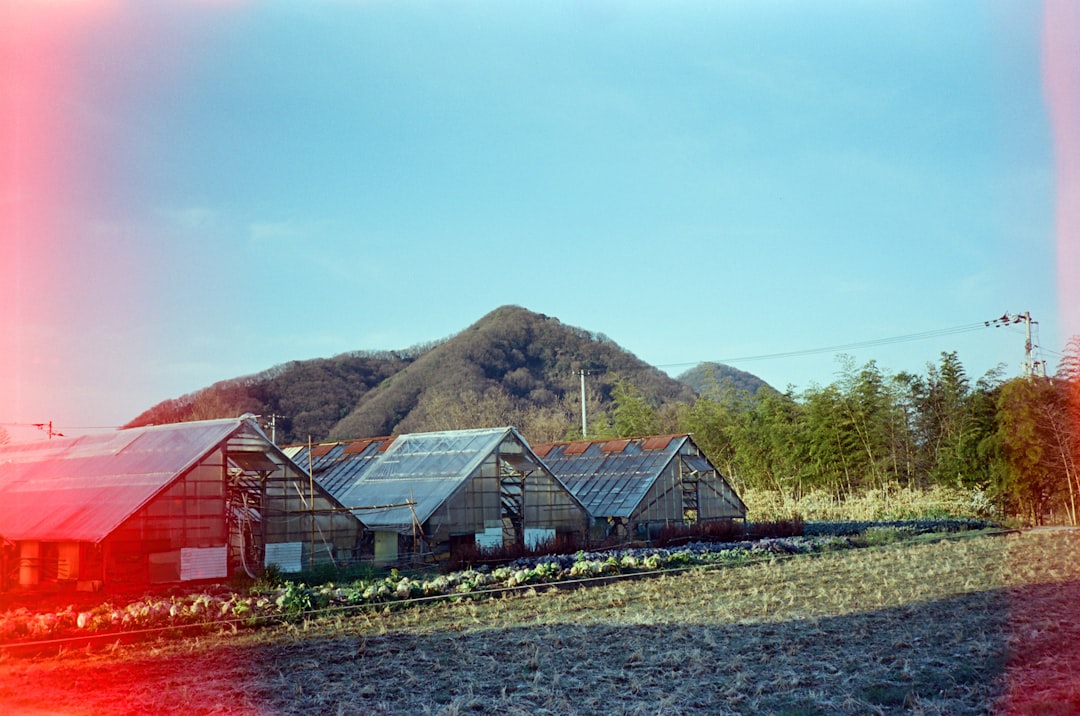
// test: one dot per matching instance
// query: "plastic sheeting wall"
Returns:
(477, 508)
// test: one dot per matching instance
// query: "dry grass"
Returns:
(967, 626)
(895, 504)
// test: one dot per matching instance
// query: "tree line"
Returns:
(1015, 442)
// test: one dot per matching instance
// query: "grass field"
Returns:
(970, 625)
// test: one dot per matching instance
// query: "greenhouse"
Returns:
(425, 495)
(633, 486)
(170, 503)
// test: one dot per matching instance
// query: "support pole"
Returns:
(311, 490)
(584, 422)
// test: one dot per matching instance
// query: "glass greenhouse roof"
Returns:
(611, 477)
(82, 488)
(379, 478)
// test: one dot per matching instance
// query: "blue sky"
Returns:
(251, 183)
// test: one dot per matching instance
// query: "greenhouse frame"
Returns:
(632, 487)
(424, 496)
(162, 504)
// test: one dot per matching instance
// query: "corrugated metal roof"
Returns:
(425, 468)
(611, 482)
(82, 488)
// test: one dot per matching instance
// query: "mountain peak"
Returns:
(511, 367)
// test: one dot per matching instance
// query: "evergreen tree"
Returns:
(631, 415)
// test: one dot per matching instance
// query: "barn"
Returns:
(425, 495)
(163, 504)
(633, 486)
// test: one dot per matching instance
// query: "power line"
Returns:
(967, 328)
(66, 427)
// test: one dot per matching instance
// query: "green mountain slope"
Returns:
(710, 379)
(512, 367)
(306, 398)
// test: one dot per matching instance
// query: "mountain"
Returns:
(713, 378)
(512, 367)
(299, 398)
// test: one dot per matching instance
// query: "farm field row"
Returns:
(963, 626)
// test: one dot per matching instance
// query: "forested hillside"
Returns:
(512, 367)
(713, 379)
(307, 397)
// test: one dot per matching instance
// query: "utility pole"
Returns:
(1031, 367)
(273, 425)
(584, 423)
(47, 427)
(1029, 364)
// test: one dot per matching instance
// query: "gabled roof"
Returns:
(422, 468)
(82, 488)
(612, 476)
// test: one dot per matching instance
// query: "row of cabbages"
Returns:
(147, 613)
(291, 599)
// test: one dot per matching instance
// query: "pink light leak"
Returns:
(1061, 85)
(34, 139)
(66, 179)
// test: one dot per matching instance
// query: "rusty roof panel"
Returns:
(614, 445)
(542, 450)
(356, 447)
(657, 442)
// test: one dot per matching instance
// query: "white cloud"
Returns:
(275, 231)
(192, 217)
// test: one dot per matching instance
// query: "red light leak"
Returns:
(1061, 85)
(36, 142)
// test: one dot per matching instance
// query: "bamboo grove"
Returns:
(1011, 445)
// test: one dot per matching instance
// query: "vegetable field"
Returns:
(966, 625)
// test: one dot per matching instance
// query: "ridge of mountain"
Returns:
(511, 367)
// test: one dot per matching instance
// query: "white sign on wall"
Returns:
(286, 556)
(204, 563)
